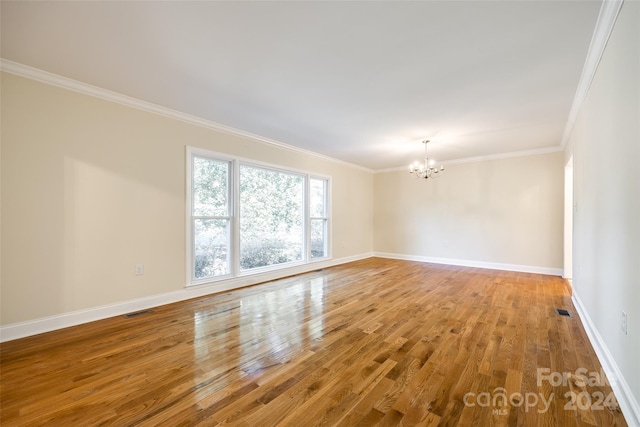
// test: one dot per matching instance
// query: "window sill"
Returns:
(261, 275)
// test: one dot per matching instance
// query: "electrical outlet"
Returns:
(139, 269)
(624, 323)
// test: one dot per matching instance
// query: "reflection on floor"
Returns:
(374, 341)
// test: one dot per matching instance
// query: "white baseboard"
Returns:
(628, 404)
(46, 324)
(471, 263)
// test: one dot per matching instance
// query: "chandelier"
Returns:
(426, 169)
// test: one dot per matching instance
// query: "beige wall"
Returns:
(90, 188)
(605, 144)
(506, 211)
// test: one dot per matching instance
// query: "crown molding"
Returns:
(118, 98)
(533, 152)
(604, 26)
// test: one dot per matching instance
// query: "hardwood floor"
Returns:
(374, 342)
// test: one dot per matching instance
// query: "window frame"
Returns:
(325, 218)
(235, 162)
(191, 218)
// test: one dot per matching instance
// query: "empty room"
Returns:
(301, 213)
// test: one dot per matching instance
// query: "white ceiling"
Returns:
(363, 82)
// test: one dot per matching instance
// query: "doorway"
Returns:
(568, 220)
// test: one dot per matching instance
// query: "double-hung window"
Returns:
(246, 217)
(319, 217)
(211, 215)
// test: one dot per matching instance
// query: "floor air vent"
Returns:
(137, 313)
(562, 312)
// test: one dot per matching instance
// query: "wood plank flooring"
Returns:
(374, 342)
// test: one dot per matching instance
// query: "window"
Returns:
(271, 217)
(318, 215)
(245, 218)
(211, 218)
